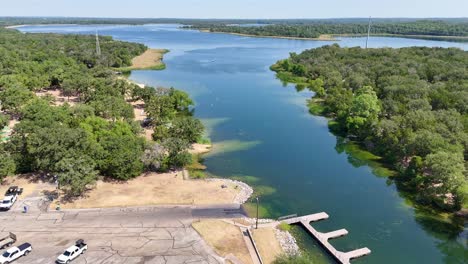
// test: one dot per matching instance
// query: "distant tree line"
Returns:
(314, 30)
(7, 21)
(408, 105)
(97, 135)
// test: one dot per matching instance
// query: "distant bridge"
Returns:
(322, 238)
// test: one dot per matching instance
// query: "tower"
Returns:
(368, 32)
(98, 47)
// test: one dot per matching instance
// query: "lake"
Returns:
(263, 134)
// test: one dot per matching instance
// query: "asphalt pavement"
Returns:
(153, 234)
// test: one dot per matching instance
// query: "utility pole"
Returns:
(98, 47)
(256, 222)
(368, 32)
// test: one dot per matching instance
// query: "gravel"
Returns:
(287, 242)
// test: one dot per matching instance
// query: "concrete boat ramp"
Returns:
(322, 238)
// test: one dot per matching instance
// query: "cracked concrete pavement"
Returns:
(157, 234)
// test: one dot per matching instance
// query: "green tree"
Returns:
(12, 99)
(181, 100)
(317, 86)
(75, 173)
(160, 109)
(445, 172)
(122, 156)
(364, 110)
(7, 164)
(4, 120)
(177, 152)
(47, 146)
(112, 107)
(187, 128)
(338, 101)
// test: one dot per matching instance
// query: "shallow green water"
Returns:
(264, 135)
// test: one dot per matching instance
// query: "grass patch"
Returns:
(463, 190)
(196, 168)
(284, 226)
(197, 163)
(159, 67)
(316, 106)
(151, 59)
(204, 141)
(288, 77)
(197, 174)
(295, 259)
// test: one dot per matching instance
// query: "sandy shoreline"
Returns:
(151, 59)
(15, 26)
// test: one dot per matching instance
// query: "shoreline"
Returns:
(150, 59)
(335, 37)
(427, 37)
(245, 191)
(16, 26)
(379, 167)
(323, 37)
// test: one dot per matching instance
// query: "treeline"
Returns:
(7, 21)
(408, 105)
(96, 134)
(314, 30)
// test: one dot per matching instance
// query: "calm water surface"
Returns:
(263, 134)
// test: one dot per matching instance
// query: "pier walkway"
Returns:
(322, 238)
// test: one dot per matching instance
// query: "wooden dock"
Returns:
(322, 238)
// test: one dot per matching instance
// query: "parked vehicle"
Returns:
(13, 190)
(8, 202)
(72, 252)
(7, 239)
(15, 253)
(11, 195)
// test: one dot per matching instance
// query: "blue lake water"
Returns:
(262, 133)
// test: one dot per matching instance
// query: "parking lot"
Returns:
(116, 235)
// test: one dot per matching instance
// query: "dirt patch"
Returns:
(60, 99)
(200, 148)
(150, 59)
(267, 244)
(140, 115)
(226, 239)
(33, 185)
(156, 189)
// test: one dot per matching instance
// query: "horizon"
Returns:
(240, 9)
(232, 18)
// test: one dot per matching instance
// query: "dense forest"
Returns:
(409, 105)
(8, 21)
(94, 134)
(314, 30)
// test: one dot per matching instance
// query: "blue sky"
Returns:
(236, 8)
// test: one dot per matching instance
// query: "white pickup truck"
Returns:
(10, 198)
(15, 253)
(72, 252)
